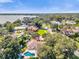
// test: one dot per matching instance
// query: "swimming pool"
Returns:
(29, 54)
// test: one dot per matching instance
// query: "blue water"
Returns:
(29, 54)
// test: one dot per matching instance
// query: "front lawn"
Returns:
(42, 32)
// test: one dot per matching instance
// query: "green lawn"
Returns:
(42, 32)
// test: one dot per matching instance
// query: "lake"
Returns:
(12, 18)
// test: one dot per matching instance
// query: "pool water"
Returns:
(29, 54)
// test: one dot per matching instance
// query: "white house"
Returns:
(20, 30)
(56, 22)
(70, 22)
(22, 27)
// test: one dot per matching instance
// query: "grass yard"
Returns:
(42, 32)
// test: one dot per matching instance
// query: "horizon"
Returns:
(40, 13)
(14, 16)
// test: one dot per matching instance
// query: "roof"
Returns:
(21, 27)
(70, 22)
(32, 44)
(56, 22)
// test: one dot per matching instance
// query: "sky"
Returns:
(39, 6)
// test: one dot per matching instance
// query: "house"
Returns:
(46, 26)
(67, 31)
(70, 30)
(76, 30)
(56, 22)
(31, 50)
(32, 45)
(70, 22)
(29, 16)
(20, 30)
(22, 27)
(32, 28)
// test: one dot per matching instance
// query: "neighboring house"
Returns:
(29, 16)
(56, 22)
(20, 30)
(22, 27)
(70, 22)
(32, 28)
(67, 32)
(46, 26)
(76, 30)
(70, 31)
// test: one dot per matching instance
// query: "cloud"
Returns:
(5, 1)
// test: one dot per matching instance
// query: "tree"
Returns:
(5, 24)
(46, 52)
(17, 22)
(9, 48)
(23, 40)
(1, 25)
(57, 44)
(25, 20)
(10, 27)
(38, 22)
(77, 21)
